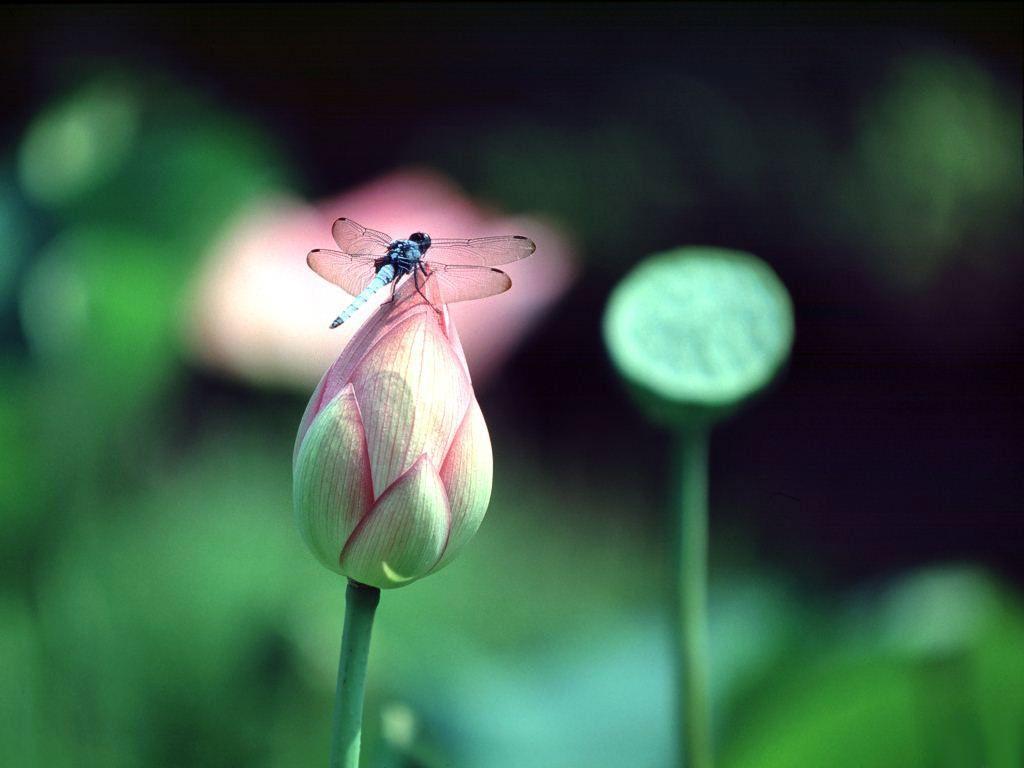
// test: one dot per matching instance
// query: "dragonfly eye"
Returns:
(421, 239)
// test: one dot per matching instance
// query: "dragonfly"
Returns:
(462, 270)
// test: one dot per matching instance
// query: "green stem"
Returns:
(360, 605)
(691, 476)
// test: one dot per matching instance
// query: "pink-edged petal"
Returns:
(313, 407)
(403, 536)
(419, 391)
(466, 473)
(332, 489)
(448, 328)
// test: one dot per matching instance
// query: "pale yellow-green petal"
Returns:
(403, 536)
(332, 490)
(467, 473)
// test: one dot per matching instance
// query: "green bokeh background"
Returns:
(158, 609)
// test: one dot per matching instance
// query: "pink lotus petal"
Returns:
(255, 310)
(420, 394)
(258, 312)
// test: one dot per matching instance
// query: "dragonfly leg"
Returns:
(394, 287)
(420, 269)
(416, 282)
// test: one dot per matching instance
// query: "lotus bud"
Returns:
(392, 466)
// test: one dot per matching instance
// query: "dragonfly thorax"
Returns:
(405, 254)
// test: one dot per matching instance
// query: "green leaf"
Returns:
(79, 141)
(24, 479)
(845, 714)
(101, 303)
(174, 609)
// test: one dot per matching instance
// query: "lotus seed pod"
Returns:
(698, 331)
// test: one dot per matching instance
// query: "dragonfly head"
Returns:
(422, 239)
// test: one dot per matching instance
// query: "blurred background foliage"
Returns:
(157, 607)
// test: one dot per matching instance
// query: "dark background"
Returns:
(832, 140)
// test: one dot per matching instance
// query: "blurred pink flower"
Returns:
(258, 312)
(392, 465)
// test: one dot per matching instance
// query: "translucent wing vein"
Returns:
(480, 251)
(351, 272)
(461, 282)
(353, 238)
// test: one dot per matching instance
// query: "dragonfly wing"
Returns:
(461, 282)
(352, 272)
(353, 238)
(480, 251)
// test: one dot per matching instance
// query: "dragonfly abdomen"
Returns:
(384, 276)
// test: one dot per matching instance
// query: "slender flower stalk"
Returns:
(360, 606)
(691, 476)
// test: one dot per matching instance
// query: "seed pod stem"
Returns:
(690, 475)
